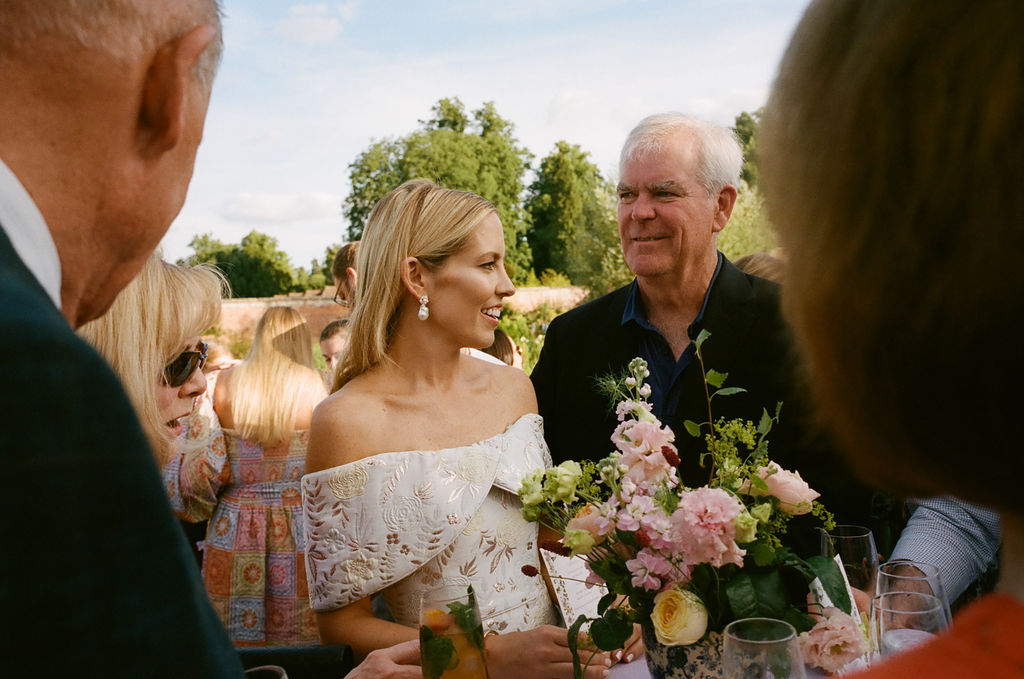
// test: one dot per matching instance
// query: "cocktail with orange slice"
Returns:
(451, 634)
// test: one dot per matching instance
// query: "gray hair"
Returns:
(720, 158)
(120, 28)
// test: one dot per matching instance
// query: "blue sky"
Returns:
(305, 87)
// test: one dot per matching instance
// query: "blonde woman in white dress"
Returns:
(414, 461)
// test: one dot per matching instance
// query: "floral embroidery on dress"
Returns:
(426, 518)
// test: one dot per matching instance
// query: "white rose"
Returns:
(679, 617)
(349, 481)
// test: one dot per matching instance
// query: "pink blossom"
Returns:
(705, 520)
(795, 496)
(591, 518)
(645, 567)
(641, 444)
(833, 642)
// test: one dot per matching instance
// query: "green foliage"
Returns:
(554, 279)
(527, 330)
(475, 153)
(748, 229)
(574, 230)
(746, 128)
(256, 267)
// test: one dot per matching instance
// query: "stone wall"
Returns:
(238, 317)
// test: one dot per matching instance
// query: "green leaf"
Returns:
(438, 653)
(611, 630)
(574, 639)
(467, 620)
(692, 428)
(715, 378)
(606, 601)
(763, 554)
(827, 570)
(728, 391)
(756, 482)
(701, 336)
(798, 619)
(765, 425)
(756, 595)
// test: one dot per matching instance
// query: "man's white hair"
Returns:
(719, 157)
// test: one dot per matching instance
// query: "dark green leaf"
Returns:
(438, 653)
(762, 553)
(611, 630)
(798, 619)
(728, 391)
(574, 640)
(827, 570)
(765, 425)
(606, 601)
(756, 595)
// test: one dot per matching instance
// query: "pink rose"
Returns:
(590, 519)
(641, 444)
(795, 496)
(833, 642)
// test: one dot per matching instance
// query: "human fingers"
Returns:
(632, 649)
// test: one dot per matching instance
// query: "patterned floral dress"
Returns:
(253, 559)
(403, 523)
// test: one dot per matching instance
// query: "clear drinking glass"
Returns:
(855, 546)
(904, 575)
(902, 620)
(451, 634)
(761, 648)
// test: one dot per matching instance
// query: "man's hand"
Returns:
(401, 661)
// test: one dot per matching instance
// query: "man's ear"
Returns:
(724, 204)
(164, 108)
(414, 276)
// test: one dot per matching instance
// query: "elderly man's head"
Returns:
(677, 188)
(891, 161)
(102, 113)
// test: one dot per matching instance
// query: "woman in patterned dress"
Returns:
(414, 460)
(239, 467)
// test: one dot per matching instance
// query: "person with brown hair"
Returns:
(343, 271)
(891, 161)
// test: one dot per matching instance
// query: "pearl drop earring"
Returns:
(424, 313)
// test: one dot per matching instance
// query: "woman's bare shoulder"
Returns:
(345, 427)
(510, 386)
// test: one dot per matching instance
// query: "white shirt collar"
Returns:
(25, 227)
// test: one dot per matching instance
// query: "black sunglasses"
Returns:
(177, 372)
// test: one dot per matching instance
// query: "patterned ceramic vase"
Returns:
(702, 660)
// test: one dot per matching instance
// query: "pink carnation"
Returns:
(705, 523)
(833, 642)
(641, 444)
(646, 568)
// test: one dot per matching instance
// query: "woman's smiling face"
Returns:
(466, 294)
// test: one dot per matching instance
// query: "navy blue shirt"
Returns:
(665, 369)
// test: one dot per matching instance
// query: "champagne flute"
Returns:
(451, 634)
(904, 575)
(902, 620)
(855, 546)
(761, 648)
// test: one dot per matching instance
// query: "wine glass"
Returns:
(451, 634)
(855, 546)
(761, 648)
(902, 620)
(904, 575)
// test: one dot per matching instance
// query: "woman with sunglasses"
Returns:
(239, 467)
(150, 337)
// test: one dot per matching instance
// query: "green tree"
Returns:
(255, 268)
(574, 230)
(477, 153)
(748, 229)
(746, 127)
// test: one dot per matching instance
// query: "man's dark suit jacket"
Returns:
(749, 341)
(95, 576)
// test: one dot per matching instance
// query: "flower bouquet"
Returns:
(683, 562)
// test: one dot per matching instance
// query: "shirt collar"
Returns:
(634, 310)
(26, 229)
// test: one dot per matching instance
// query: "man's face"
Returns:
(331, 348)
(667, 221)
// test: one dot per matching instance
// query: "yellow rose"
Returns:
(679, 617)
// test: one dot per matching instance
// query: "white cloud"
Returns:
(280, 207)
(309, 24)
(348, 10)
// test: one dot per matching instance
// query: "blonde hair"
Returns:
(891, 163)
(148, 325)
(264, 386)
(121, 28)
(418, 219)
(720, 158)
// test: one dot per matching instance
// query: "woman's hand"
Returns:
(632, 649)
(401, 661)
(541, 653)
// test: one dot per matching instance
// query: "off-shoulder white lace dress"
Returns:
(402, 523)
